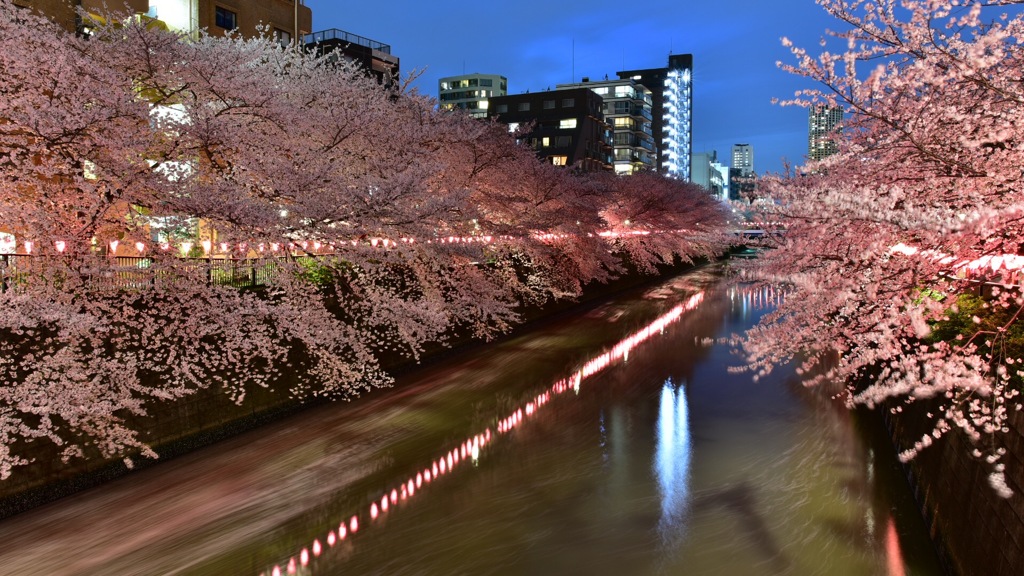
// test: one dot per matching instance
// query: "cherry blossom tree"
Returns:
(378, 222)
(886, 241)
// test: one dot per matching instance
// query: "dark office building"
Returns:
(375, 57)
(569, 129)
(672, 111)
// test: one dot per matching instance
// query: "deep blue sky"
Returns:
(735, 44)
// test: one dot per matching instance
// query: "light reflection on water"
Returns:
(470, 448)
(672, 461)
(649, 458)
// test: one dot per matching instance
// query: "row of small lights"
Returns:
(470, 448)
(185, 247)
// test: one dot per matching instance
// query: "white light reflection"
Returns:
(672, 459)
(470, 448)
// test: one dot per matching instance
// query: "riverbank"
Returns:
(176, 428)
(975, 531)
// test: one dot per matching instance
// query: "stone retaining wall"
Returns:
(976, 532)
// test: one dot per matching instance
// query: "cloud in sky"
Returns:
(537, 44)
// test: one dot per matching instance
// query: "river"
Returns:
(614, 440)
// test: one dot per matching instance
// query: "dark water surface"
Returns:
(616, 441)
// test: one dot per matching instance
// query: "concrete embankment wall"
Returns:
(208, 416)
(976, 531)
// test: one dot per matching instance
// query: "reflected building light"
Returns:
(469, 450)
(672, 458)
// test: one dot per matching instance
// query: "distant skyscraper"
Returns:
(823, 124)
(470, 92)
(741, 171)
(672, 112)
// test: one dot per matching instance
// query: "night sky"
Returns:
(538, 44)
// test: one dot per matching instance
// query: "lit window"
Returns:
(559, 160)
(226, 19)
(513, 126)
(545, 141)
(482, 105)
(567, 123)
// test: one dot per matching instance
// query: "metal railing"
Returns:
(342, 36)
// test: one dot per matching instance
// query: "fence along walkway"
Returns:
(141, 272)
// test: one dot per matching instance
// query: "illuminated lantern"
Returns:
(316, 547)
(207, 246)
(292, 568)
(331, 538)
(140, 247)
(304, 557)
(223, 246)
(28, 247)
(394, 496)
(113, 247)
(353, 524)
(373, 509)
(59, 245)
(186, 247)
(384, 503)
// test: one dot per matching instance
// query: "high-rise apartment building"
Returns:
(627, 108)
(824, 122)
(286, 19)
(672, 112)
(470, 92)
(569, 128)
(741, 172)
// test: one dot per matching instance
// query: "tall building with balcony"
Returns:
(470, 92)
(372, 56)
(569, 128)
(824, 123)
(627, 109)
(672, 112)
(286, 19)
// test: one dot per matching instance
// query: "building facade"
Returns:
(824, 123)
(706, 173)
(286, 19)
(627, 109)
(741, 172)
(372, 56)
(470, 92)
(569, 126)
(672, 112)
